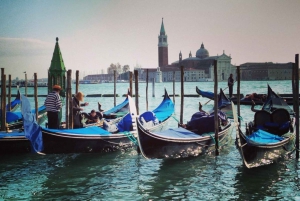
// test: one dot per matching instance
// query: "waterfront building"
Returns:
(201, 67)
(198, 68)
(100, 77)
(266, 71)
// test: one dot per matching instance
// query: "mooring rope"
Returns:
(175, 119)
(212, 137)
(131, 138)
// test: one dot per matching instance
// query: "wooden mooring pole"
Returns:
(36, 97)
(147, 79)
(9, 92)
(3, 100)
(174, 87)
(115, 87)
(296, 102)
(130, 83)
(77, 82)
(2, 73)
(25, 84)
(182, 94)
(153, 87)
(238, 92)
(216, 108)
(136, 79)
(69, 106)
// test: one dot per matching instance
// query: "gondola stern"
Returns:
(140, 144)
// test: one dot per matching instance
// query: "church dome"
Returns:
(202, 52)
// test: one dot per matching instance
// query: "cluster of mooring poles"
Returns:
(69, 103)
(4, 126)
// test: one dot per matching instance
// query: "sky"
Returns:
(95, 33)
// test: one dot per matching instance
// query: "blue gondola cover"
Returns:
(31, 129)
(264, 137)
(125, 123)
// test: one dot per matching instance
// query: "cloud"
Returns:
(11, 47)
(25, 54)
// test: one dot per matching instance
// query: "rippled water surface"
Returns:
(126, 175)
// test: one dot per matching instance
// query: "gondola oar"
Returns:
(211, 99)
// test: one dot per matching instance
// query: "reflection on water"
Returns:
(273, 182)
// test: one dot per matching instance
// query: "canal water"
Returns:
(126, 175)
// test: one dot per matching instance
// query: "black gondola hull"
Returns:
(61, 143)
(13, 145)
(260, 155)
(155, 146)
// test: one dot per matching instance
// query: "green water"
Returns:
(126, 175)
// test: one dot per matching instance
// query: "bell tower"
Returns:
(162, 46)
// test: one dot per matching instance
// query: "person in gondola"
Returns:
(256, 97)
(92, 118)
(253, 96)
(230, 85)
(53, 105)
(77, 108)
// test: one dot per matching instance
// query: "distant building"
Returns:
(199, 68)
(100, 77)
(162, 47)
(266, 71)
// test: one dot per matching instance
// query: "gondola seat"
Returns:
(278, 122)
(261, 118)
(201, 123)
(148, 119)
(281, 117)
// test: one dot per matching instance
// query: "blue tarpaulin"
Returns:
(178, 133)
(164, 110)
(117, 108)
(125, 123)
(17, 116)
(264, 137)
(31, 129)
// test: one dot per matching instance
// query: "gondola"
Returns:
(224, 103)
(112, 115)
(12, 106)
(182, 142)
(117, 111)
(90, 139)
(157, 119)
(14, 120)
(269, 137)
(273, 102)
(288, 98)
(243, 100)
(17, 140)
